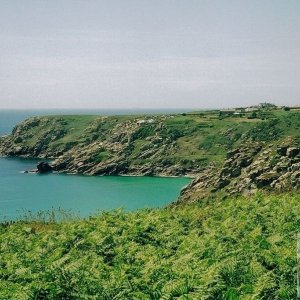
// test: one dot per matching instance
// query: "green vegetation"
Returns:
(190, 139)
(100, 156)
(237, 248)
(232, 248)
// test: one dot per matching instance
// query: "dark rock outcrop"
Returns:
(266, 179)
(281, 150)
(292, 152)
(43, 167)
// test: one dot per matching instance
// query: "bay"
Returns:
(83, 195)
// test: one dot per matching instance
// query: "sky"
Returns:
(149, 53)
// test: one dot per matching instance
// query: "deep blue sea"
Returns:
(83, 195)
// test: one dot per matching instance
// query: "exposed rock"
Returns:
(244, 161)
(294, 167)
(266, 179)
(18, 139)
(230, 154)
(281, 150)
(235, 172)
(292, 152)
(247, 169)
(287, 181)
(283, 165)
(43, 167)
(18, 150)
(221, 183)
(201, 186)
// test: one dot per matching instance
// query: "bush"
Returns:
(265, 131)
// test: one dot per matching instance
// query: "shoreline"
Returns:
(188, 176)
(49, 160)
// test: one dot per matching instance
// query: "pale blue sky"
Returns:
(149, 54)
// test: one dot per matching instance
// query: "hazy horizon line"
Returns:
(144, 108)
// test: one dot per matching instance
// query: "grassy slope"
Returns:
(232, 249)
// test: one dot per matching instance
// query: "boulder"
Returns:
(266, 179)
(18, 140)
(232, 153)
(59, 165)
(225, 172)
(18, 150)
(244, 161)
(281, 150)
(295, 167)
(236, 172)
(292, 152)
(221, 183)
(282, 166)
(44, 167)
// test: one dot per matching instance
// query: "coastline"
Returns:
(220, 154)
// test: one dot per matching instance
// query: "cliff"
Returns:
(272, 167)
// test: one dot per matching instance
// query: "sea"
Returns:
(31, 195)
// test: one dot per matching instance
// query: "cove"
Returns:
(83, 195)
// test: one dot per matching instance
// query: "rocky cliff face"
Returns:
(263, 155)
(104, 147)
(35, 138)
(114, 153)
(248, 169)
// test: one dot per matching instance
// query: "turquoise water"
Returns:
(84, 195)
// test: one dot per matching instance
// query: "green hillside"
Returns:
(238, 248)
(177, 145)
